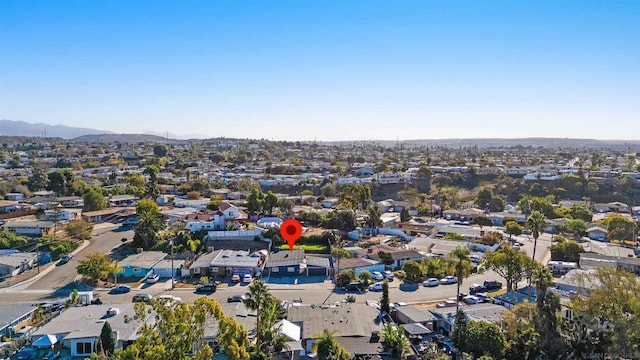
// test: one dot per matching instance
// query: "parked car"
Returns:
(388, 274)
(377, 276)
(477, 288)
(376, 287)
(448, 280)
(516, 246)
(168, 297)
(247, 278)
(475, 258)
(235, 278)
(470, 299)
(431, 282)
(142, 297)
(447, 303)
(120, 289)
(152, 278)
(206, 288)
(65, 259)
(355, 286)
(482, 297)
(236, 298)
(491, 285)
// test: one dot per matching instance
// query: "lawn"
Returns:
(317, 248)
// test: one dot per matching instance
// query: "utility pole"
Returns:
(172, 270)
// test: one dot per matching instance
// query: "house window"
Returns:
(196, 270)
(275, 269)
(84, 348)
(291, 269)
(213, 269)
(136, 270)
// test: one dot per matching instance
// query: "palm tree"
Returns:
(273, 341)
(257, 299)
(461, 267)
(536, 223)
(395, 343)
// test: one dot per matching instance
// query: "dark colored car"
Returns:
(120, 289)
(65, 259)
(206, 288)
(476, 288)
(355, 287)
(236, 298)
(142, 297)
(491, 285)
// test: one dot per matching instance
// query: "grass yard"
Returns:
(318, 248)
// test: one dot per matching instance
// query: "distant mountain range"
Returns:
(21, 128)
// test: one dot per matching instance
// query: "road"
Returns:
(58, 283)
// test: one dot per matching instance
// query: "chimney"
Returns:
(139, 250)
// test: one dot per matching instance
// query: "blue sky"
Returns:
(330, 70)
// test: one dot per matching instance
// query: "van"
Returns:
(355, 287)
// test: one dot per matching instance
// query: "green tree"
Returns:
(257, 298)
(394, 342)
(96, 266)
(581, 213)
(255, 201)
(60, 182)
(459, 336)
(365, 277)
(160, 150)
(146, 230)
(327, 347)
(152, 185)
(462, 268)
(566, 250)
(522, 338)
(38, 179)
(423, 179)
(93, 200)
(481, 221)
(270, 202)
(484, 338)
(620, 228)
(405, 216)
(345, 277)
(548, 319)
(413, 271)
(536, 223)
(510, 264)
(513, 228)
(384, 300)
(616, 303)
(147, 206)
(575, 227)
(107, 341)
(286, 206)
(79, 230)
(373, 216)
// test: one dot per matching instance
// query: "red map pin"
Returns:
(291, 231)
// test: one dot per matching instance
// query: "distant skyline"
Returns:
(325, 70)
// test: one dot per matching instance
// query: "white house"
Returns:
(15, 263)
(597, 233)
(228, 217)
(30, 227)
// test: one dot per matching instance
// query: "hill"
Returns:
(21, 128)
(124, 138)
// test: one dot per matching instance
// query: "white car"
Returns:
(247, 278)
(152, 278)
(376, 287)
(448, 280)
(388, 274)
(167, 297)
(431, 282)
(475, 258)
(516, 246)
(470, 299)
(377, 276)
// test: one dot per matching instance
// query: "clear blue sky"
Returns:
(330, 70)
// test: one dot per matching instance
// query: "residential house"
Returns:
(141, 264)
(589, 261)
(395, 259)
(199, 204)
(410, 314)
(113, 214)
(597, 233)
(222, 263)
(227, 217)
(70, 201)
(477, 312)
(122, 200)
(296, 263)
(30, 227)
(165, 268)
(79, 328)
(359, 265)
(63, 215)
(329, 203)
(355, 325)
(7, 206)
(12, 316)
(15, 263)
(14, 196)
(497, 218)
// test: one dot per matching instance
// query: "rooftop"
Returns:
(145, 259)
(351, 319)
(11, 312)
(286, 258)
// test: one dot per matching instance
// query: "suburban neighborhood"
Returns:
(97, 239)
